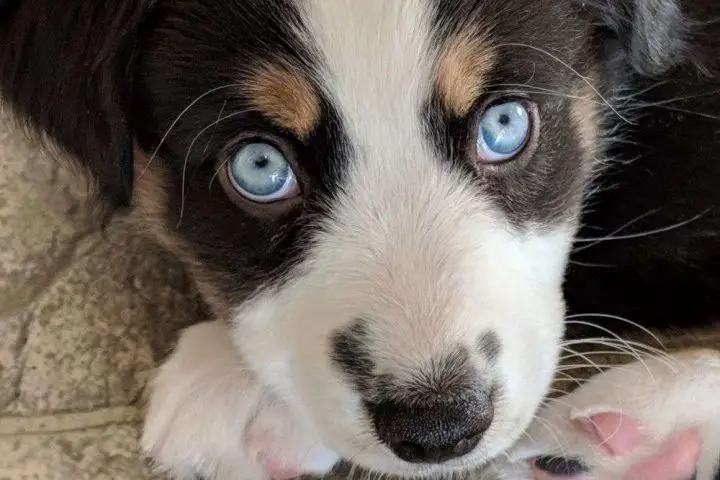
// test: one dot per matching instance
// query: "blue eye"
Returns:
(261, 173)
(504, 130)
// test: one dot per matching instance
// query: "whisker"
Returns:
(551, 430)
(187, 157)
(650, 353)
(632, 94)
(622, 319)
(612, 334)
(619, 229)
(626, 343)
(178, 118)
(690, 112)
(641, 234)
(601, 367)
(548, 93)
(568, 378)
(586, 358)
(677, 99)
(573, 70)
(538, 90)
(596, 352)
(222, 110)
(634, 348)
(637, 347)
(222, 165)
(591, 265)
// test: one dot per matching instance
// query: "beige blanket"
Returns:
(83, 317)
(83, 320)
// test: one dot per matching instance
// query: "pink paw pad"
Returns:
(617, 434)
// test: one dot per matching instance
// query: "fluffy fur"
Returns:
(405, 271)
(664, 394)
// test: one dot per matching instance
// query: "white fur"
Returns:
(665, 395)
(227, 420)
(208, 416)
(410, 245)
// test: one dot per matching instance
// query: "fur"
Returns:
(401, 252)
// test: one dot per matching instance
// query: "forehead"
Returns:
(377, 57)
(288, 57)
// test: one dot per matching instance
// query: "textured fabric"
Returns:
(84, 317)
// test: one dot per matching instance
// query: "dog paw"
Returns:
(201, 401)
(209, 417)
(633, 421)
(283, 448)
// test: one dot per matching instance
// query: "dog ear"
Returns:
(66, 71)
(654, 33)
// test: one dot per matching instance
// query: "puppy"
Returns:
(379, 198)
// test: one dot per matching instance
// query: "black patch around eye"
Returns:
(564, 467)
(190, 64)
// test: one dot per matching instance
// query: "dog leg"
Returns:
(209, 417)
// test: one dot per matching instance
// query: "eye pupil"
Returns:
(262, 162)
(504, 119)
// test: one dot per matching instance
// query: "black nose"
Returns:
(432, 433)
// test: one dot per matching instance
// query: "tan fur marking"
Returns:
(150, 216)
(465, 60)
(584, 113)
(285, 95)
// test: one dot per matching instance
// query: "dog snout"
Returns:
(435, 432)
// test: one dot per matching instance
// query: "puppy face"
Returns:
(405, 264)
(380, 196)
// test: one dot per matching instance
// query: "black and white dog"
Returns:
(379, 198)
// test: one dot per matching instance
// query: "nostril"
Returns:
(435, 449)
(409, 451)
(467, 444)
(416, 453)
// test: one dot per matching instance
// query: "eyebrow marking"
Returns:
(464, 62)
(585, 115)
(285, 95)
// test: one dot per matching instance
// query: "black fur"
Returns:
(666, 172)
(351, 355)
(6, 4)
(489, 347)
(66, 67)
(561, 467)
(653, 32)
